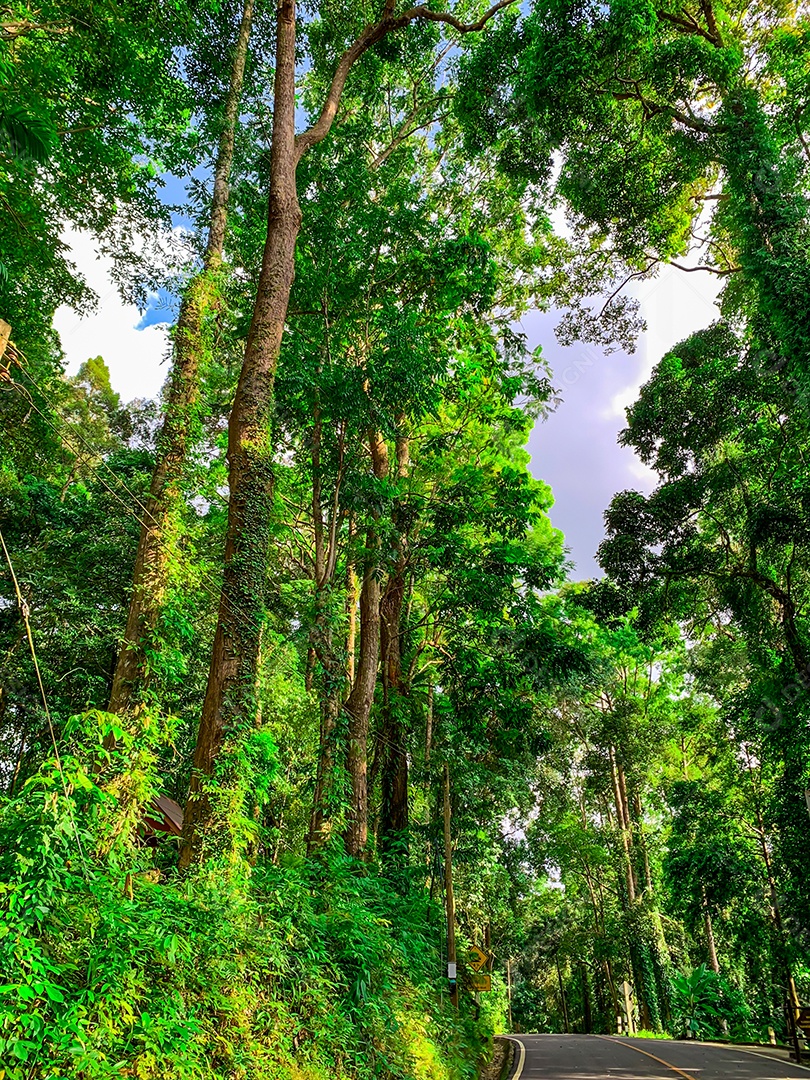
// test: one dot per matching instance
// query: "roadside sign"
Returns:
(477, 958)
(481, 981)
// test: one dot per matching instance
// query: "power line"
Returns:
(219, 596)
(26, 620)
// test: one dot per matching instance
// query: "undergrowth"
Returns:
(113, 967)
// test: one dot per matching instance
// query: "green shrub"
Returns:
(307, 970)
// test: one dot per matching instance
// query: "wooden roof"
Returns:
(164, 815)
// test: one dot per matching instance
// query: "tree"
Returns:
(678, 128)
(230, 699)
(199, 304)
(722, 539)
(92, 103)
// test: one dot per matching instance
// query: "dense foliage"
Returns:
(291, 651)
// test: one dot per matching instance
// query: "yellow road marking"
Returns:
(521, 1059)
(686, 1075)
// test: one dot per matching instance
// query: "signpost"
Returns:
(477, 958)
(480, 961)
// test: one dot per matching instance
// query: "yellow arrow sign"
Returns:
(477, 958)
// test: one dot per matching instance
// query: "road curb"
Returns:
(499, 1064)
(515, 1058)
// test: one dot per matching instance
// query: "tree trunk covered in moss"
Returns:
(224, 164)
(158, 521)
(230, 700)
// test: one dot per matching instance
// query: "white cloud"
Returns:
(674, 305)
(643, 473)
(135, 357)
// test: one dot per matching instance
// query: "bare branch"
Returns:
(693, 122)
(653, 108)
(708, 269)
(423, 12)
(405, 132)
(627, 280)
(9, 31)
(687, 24)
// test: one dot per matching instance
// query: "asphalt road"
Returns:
(598, 1057)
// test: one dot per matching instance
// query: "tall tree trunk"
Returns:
(587, 1020)
(449, 895)
(227, 139)
(792, 998)
(429, 721)
(658, 942)
(361, 697)
(230, 699)
(625, 834)
(614, 997)
(563, 1003)
(330, 712)
(644, 944)
(12, 787)
(359, 704)
(322, 637)
(151, 573)
(351, 608)
(710, 943)
(642, 838)
(330, 704)
(394, 772)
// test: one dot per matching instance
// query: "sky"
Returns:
(574, 450)
(137, 358)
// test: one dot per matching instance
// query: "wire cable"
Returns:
(218, 596)
(29, 634)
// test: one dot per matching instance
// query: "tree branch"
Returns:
(404, 133)
(370, 36)
(9, 31)
(708, 269)
(652, 108)
(687, 25)
(630, 277)
(716, 37)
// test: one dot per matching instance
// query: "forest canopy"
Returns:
(299, 699)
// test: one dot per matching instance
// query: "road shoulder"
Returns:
(499, 1066)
